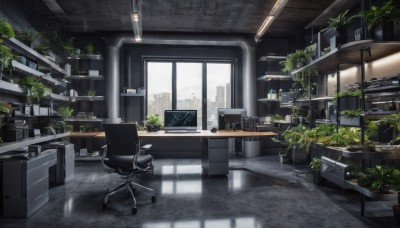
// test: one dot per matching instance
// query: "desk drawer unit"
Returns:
(215, 156)
(26, 184)
(64, 170)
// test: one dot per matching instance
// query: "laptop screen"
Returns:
(180, 119)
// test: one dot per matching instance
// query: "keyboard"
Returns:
(182, 131)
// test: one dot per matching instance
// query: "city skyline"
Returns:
(162, 101)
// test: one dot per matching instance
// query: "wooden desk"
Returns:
(202, 134)
(214, 146)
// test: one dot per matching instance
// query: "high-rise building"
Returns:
(220, 98)
(162, 101)
(228, 95)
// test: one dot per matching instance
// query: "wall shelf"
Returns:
(12, 88)
(272, 58)
(132, 95)
(8, 146)
(270, 77)
(19, 67)
(21, 48)
(322, 98)
(348, 55)
(87, 98)
(83, 120)
(85, 77)
(57, 97)
(86, 56)
(268, 100)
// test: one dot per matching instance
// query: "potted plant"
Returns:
(292, 137)
(28, 37)
(6, 29)
(65, 111)
(36, 90)
(348, 100)
(91, 93)
(68, 128)
(315, 166)
(6, 57)
(380, 20)
(89, 48)
(392, 124)
(154, 122)
(5, 107)
(350, 117)
(339, 24)
(380, 179)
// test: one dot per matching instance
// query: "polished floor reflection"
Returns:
(258, 192)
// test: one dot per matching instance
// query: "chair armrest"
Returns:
(146, 147)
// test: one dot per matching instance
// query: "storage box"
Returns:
(83, 152)
(93, 73)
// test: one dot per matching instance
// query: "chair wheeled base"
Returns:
(131, 186)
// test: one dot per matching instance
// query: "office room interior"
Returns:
(150, 114)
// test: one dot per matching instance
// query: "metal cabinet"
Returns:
(26, 184)
(215, 156)
(65, 168)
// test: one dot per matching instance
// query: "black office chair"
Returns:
(123, 155)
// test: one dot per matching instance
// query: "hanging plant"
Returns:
(36, 90)
(6, 29)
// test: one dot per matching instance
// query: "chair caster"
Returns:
(104, 206)
(134, 210)
(153, 199)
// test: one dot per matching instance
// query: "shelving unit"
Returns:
(21, 48)
(348, 55)
(8, 146)
(19, 67)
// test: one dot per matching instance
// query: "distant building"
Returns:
(220, 98)
(228, 95)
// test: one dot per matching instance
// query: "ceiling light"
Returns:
(136, 19)
(272, 15)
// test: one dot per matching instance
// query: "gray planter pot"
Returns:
(349, 121)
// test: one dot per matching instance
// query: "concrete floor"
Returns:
(259, 192)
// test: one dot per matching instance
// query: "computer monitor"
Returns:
(180, 120)
(230, 116)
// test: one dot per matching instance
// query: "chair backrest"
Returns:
(122, 139)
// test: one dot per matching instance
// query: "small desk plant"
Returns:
(154, 122)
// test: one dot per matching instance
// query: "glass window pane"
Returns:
(159, 87)
(189, 88)
(218, 90)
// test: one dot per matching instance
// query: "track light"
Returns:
(136, 19)
(272, 15)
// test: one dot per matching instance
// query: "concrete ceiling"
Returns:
(198, 16)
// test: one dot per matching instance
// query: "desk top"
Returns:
(202, 134)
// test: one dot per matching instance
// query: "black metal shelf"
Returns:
(21, 48)
(19, 67)
(87, 98)
(85, 77)
(268, 100)
(132, 94)
(8, 146)
(348, 55)
(86, 56)
(270, 77)
(83, 120)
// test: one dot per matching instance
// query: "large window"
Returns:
(159, 84)
(187, 85)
